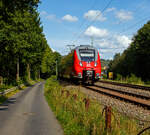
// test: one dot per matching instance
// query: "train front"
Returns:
(87, 66)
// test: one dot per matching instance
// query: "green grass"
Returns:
(4, 87)
(3, 98)
(129, 80)
(74, 118)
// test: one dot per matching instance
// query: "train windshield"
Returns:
(87, 55)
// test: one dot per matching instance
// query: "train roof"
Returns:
(84, 47)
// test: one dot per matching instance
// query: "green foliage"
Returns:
(133, 79)
(119, 77)
(66, 64)
(104, 63)
(4, 87)
(2, 99)
(129, 79)
(104, 76)
(49, 62)
(135, 59)
(76, 120)
(21, 41)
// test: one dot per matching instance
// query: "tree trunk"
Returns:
(39, 75)
(28, 71)
(17, 74)
(1, 80)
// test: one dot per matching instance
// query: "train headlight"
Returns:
(95, 64)
(81, 64)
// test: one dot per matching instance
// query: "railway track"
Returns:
(126, 85)
(131, 105)
(125, 92)
(140, 100)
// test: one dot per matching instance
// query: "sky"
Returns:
(109, 24)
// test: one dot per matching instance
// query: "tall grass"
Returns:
(132, 79)
(69, 108)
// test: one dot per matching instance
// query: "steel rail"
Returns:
(125, 92)
(131, 99)
(127, 85)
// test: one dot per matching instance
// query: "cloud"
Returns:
(96, 32)
(123, 15)
(51, 17)
(94, 15)
(70, 18)
(43, 13)
(110, 9)
(123, 40)
(114, 42)
(108, 42)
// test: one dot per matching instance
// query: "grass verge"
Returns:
(3, 98)
(76, 119)
(132, 79)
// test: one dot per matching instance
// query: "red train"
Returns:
(85, 65)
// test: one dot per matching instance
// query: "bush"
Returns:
(119, 77)
(134, 80)
(104, 76)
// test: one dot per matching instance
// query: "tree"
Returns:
(22, 42)
(141, 43)
(136, 58)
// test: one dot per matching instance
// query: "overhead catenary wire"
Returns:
(135, 24)
(122, 31)
(84, 21)
(108, 4)
(134, 10)
(125, 30)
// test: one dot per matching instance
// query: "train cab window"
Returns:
(87, 55)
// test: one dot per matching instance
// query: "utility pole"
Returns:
(17, 74)
(92, 40)
(39, 74)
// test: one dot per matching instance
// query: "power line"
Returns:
(95, 18)
(132, 26)
(92, 41)
(113, 48)
(125, 30)
(136, 10)
(84, 21)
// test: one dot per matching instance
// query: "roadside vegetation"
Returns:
(4, 97)
(77, 119)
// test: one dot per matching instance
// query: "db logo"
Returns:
(88, 64)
